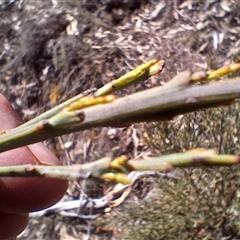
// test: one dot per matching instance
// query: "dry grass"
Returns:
(113, 38)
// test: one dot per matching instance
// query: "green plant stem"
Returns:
(156, 104)
(140, 73)
(117, 169)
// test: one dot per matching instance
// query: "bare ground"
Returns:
(51, 51)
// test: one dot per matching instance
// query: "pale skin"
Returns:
(19, 196)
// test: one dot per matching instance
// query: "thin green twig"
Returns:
(84, 111)
(117, 169)
(160, 103)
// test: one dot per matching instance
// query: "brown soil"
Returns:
(45, 59)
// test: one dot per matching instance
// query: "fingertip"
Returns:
(43, 154)
(8, 117)
(26, 194)
(12, 225)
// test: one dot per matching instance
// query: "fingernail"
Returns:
(43, 154)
